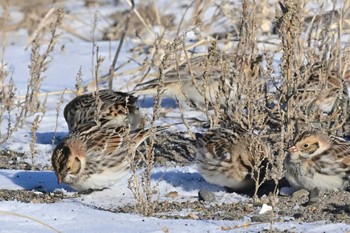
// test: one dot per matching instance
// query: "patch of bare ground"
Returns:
(28, 196)
(332, 207)
(13, 160)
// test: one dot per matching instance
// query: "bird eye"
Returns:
(306, 145)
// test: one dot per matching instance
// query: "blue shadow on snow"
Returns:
(44, 181)
(46, 138)
(186, 180)
(148, 101)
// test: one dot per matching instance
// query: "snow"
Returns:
(82, 214)
(265, 208)
(74, 217)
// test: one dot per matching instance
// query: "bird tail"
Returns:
(140, 135)
(146, 88)
(149, 91)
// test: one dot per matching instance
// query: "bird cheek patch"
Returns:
(312, 148)
(76, 166)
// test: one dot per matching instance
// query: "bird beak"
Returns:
(293, 149)
(59, 179)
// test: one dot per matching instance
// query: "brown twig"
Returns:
(116, 55)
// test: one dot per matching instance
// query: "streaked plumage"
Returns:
(108, 108)
(227, 157)
(317, 160)
(196, 82)
(94, 157)
(321, 99)
(331, 94)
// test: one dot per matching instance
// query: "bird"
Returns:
(330, 95)
(94, 157)
(227, 157)
(320, 98)
(198, 82)
(318, 161)
(327, 101)
(109, 108)
(319, 90)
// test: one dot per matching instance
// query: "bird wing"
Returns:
(339, 164)
(103, 106)
(218, 142)
(343, 152)
(111, 140)
(100, 140)
(196, 66)
(88, 102)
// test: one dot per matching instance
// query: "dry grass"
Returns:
(39, 64)
(272, 103)
(141, 186)
(28, 218)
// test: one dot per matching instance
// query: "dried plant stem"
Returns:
(32, 146)
(74, 32)
(78, 81)
(130, 2)
(116, 55)
(3, 73)
(145, 192)
(38, 65)
(94, 49)
(184, 120)
(58, 110)
(30, 219)
(49, 93)
(45, 20)
(6, 16)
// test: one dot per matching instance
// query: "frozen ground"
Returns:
(87, 213)
(90, 212)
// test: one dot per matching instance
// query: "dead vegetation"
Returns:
(307, 89)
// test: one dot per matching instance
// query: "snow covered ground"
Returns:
(81, 214)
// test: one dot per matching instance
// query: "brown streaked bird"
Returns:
(197, 82)
(94, 157)
(317, 160)
(332, 94)
(326, 90)
(227, 157)
(109, 108)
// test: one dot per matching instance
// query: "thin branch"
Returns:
(112, 67)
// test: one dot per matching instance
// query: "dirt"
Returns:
(331, 206)
(27, 196)
(18, 161)
(13, 160)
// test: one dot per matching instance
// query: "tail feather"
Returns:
(147, 91)
(140, 135)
